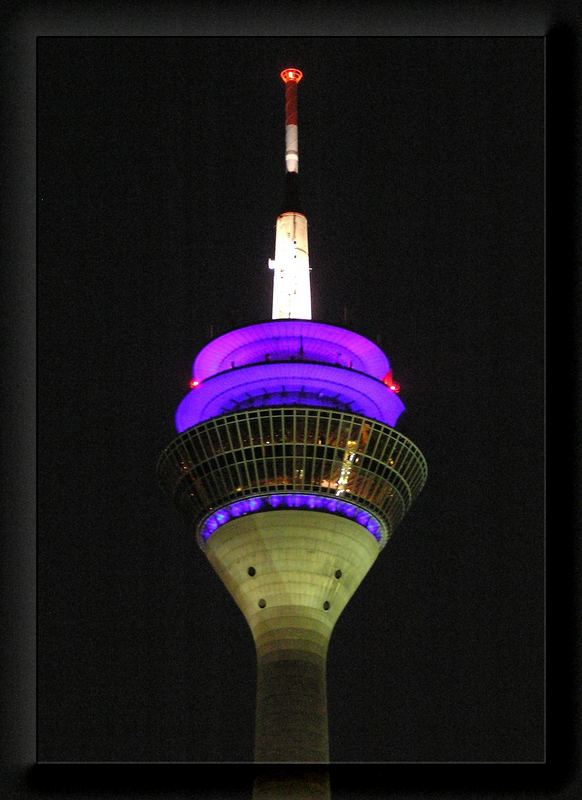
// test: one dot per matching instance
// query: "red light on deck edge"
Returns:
(388, 381)
(194, 383)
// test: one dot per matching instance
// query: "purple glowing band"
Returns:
(286, 340)
(286, 383)
(284, 502)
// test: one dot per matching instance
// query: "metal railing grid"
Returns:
(301, 449)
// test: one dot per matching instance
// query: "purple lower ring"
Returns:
(292, 500)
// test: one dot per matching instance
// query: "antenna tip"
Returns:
(291, 75)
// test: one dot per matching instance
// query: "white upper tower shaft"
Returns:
(291, 285)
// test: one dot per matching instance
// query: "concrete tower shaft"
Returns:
(291, 573)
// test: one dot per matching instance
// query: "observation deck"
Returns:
(318, 459)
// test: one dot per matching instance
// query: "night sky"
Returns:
(160, 175)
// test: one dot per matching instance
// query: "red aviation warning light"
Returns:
(291, 75)
(389, 381)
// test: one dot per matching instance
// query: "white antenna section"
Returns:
(291, 285)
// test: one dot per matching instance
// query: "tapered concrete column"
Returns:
(291, 723)
(291, 718)
(291, 573)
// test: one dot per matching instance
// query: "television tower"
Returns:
(289, 467)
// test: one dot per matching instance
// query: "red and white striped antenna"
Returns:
(291, 77)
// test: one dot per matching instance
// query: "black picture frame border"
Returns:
(560, 774)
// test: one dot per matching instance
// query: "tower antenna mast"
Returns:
(291, 78)
(291, 285)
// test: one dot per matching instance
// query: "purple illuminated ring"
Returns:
(284, 340)
(287, 501)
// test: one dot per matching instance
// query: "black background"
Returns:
(160, 172)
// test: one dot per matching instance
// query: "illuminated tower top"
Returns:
(289, 468)
(291, 360)
(291, 288)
